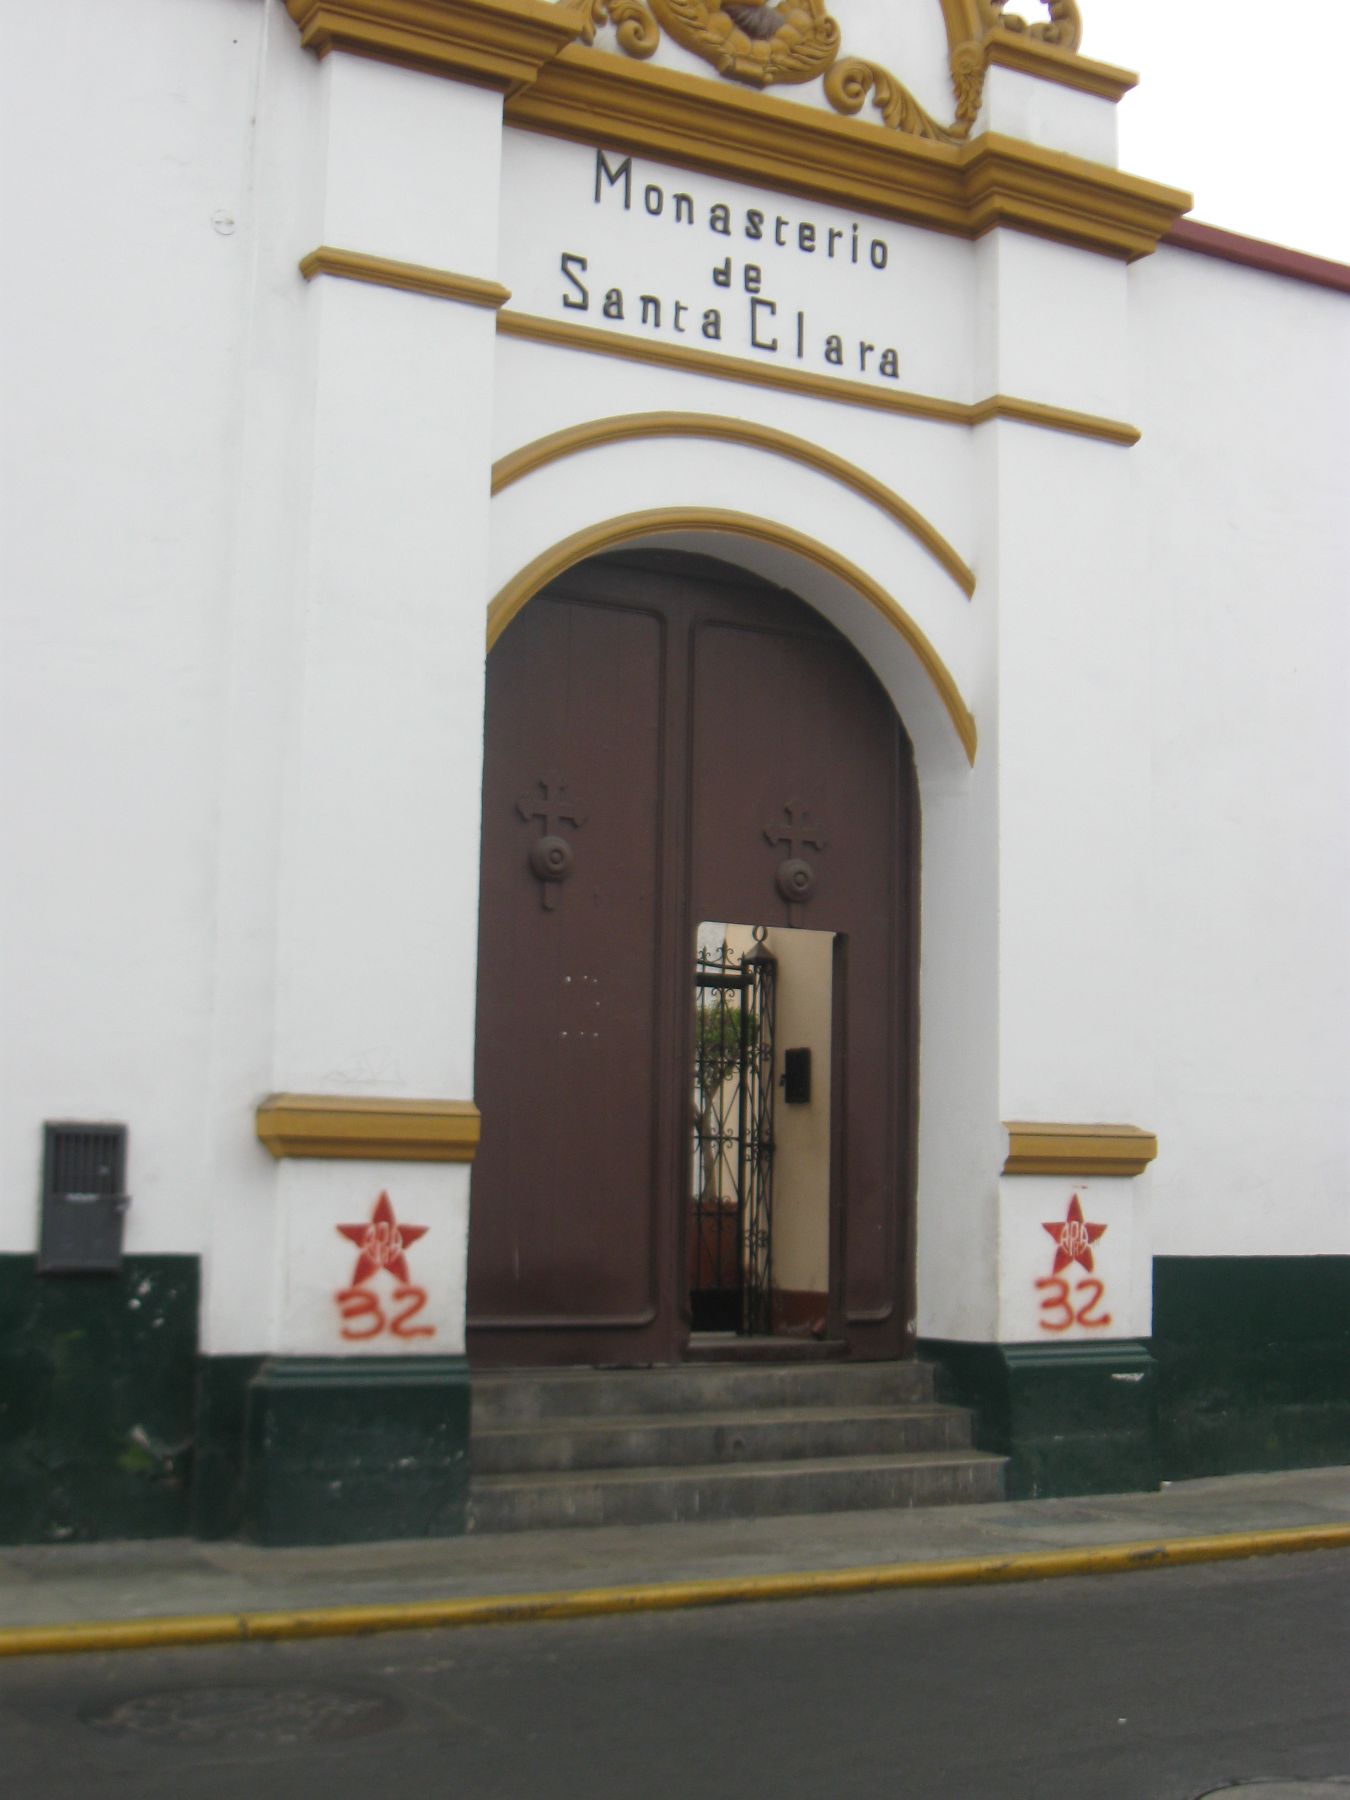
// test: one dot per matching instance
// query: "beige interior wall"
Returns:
(801, 1189)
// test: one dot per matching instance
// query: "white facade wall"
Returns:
(1242, 386)
(249, 548)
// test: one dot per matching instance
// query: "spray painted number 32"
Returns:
(1061, 1312)
(363, 1316)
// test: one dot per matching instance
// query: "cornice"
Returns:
(340, 1126)
(500, 44)
(528, 51)
(1253, 253)
(590, 96)
(1075, 1150)
(412, 278)
(1047, 62)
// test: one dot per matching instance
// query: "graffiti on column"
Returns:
(1061, 1305)
(382, 1246)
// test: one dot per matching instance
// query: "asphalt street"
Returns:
(1159, 1686)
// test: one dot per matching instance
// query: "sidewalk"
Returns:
(56, 1586)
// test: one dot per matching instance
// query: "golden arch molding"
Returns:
(627, 427)
(628, 528)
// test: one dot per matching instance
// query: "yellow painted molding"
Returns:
(1031, 56)
(966, 188)
(413, 278)
(339, 1126)
(660, 521)
(564, 335)
(1054, 418)
(500, 44)
(1069, 1150)
(627, 427)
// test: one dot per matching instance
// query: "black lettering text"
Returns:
(570, 264)
(759, 342)
(624, 174)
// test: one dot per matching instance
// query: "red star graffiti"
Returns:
(1074, 1238)
(382, 1243)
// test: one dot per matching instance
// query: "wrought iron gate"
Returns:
(731, 1258)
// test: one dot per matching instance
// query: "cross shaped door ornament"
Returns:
(551, 854)
(795, 878)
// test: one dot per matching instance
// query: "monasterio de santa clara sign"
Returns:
(659, 253)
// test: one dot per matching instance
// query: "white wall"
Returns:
(128, 248)
(248, 551)
(1242, 386)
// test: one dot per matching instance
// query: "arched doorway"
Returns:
(670, 745)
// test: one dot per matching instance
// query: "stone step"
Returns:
(750, 1490)
(534, 1396)
(781, 1434)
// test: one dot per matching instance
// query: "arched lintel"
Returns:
(629, 528)
(626, 427)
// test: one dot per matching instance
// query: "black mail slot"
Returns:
(796, 1077)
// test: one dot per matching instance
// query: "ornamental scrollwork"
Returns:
(1063, 29)
(759, 42)
(638, 32)
(767, 42)
(848, 84)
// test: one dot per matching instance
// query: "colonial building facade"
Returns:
(508, 498)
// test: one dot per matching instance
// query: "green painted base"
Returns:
(1071, 1418)
(1253, 1359)
(96, 1400)
(346, 1450)
(219, 1464)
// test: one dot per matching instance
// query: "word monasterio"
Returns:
(768, 331)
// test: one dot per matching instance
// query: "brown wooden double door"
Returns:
(652, 724)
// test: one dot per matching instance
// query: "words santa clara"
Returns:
(736, 299)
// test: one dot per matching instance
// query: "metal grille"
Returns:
(731, 1263)
(83, 1202)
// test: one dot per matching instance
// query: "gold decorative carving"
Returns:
(848, 84)
(759, 42)
(767, 43)
(638, 32)
(1063, 29)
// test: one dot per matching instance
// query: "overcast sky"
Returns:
(1240, 102)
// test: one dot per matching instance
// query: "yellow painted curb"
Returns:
(672, 1596)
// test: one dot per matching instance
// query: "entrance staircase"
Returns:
(716, 1441)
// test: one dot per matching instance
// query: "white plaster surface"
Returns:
(1243, 389)
(1110, 1300)
(321, 1312)
(248, 550)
